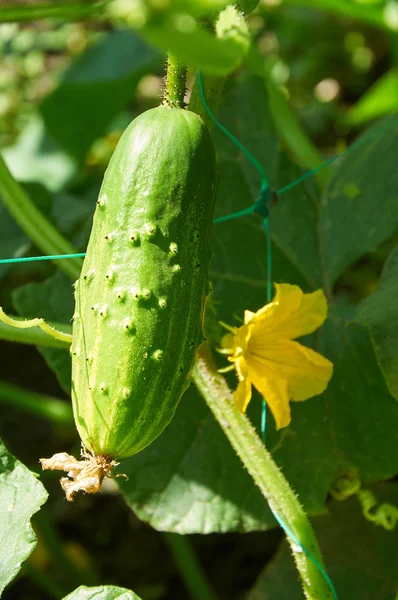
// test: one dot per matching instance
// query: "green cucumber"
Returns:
(141, 294)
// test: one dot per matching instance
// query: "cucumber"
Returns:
(141, 294)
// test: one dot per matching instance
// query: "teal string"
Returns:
(233, 139)
(360, 142)
(8, 261)
(307, 553)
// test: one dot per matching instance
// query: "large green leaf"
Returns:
(13, 241)
(373, 15)
(239, 265)
(339, 430)
(95, 88)
(361, 558)
(190, 480)
(102, 592)
(36, 157)
(21, 496)
(380, 313)
(359, 207)
(180, 34)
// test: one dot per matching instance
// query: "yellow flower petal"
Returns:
(286, 301)
(275, 392)
(294, 314)
(243, 394)
(306, 372)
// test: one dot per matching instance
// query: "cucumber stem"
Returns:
(264, 472)
(174, 90)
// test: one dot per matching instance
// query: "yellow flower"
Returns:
(265, 355)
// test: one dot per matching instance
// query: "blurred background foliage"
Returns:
(67, 91)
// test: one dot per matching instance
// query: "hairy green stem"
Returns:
(56, 10)
(264, 472)
(174, 90)
(34, 223)
(44, 406)
(189, 567)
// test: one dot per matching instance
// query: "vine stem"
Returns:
(190, 569)
(49, 537)
(174, 90)
(57, 10)
(41, 405)
(34, 223)
(264, 472)
(44, 581)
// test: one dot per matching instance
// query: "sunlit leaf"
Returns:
(21, 496)
(102, 592)
(380, 313)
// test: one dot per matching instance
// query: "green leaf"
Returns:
(102, 592)
(105, 77)
(374, 15)
(13, 241)
(53, 301)
(380, 99)
(239, 270)
(188, 41)
(340, 429)
(361, 558)
(21, 496)
(380, 313)
(190, 480)
(35, 157)
(359, 206)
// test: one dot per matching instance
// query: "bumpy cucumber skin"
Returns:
(140, 297)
